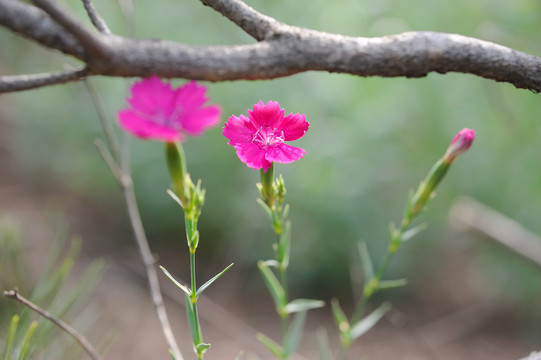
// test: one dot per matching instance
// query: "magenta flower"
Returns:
(460, 144)
(159, 112)
(259, 138)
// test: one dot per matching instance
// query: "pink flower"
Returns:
(158, 111)
(460, 144)
(259, 138)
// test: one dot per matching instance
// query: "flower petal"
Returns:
(284, 153)
(195, 122)
(238, 130)
(266, 115)
(151, 95)
(252, 155)
(294, 126)
(142, 128)
(191, 96)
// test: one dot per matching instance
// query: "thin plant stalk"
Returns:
(80, 339)
(122, 175)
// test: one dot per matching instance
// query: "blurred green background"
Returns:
(370, 141)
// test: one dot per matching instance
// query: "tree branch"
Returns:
(32, 81)
(283, 50)
(257, 25)
(89, 40)
(32, 23)
(96, 19)
(14, 294)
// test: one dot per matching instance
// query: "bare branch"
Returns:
(89, 40)
(283, 50)
(32, 81)
(470, 214)
(96, 19)
(257, 25)
(85, 344)
(122, 175)
(33, 23)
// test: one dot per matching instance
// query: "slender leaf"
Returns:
(174, 197)
(207, 284)
(339, 316)
(408, 234)
(172, 355)
(299, 305)
(9, 345)
(390, 284)
(25, 345)
(272, 263)
(369, 321)
(239, 356)
(202, 347)
(192, 322)
(266, 208)
(274, 286)
(187, 291)
(273, 347)
(323, 344)
(368, 267)
(294, 333)
(285, 245)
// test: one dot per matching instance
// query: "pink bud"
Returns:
(460, 144)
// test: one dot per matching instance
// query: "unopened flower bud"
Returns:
(460, 144)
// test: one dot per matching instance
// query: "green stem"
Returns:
(193, 298)
(371, 284)
(343, 353)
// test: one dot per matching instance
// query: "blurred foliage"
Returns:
(22, 330)
(370, 139)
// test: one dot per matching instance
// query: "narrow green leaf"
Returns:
(273, 347)
(181, 287)
(339, 316)
(285, 213)
(239, 356)
(368, 267)
(285, 245)
(9, 345)
(202, 347)
(207, 284)
(390, 284)
(275, 288)
(369, 321)
(294, 333)
(272, 263)
(323, 344)
(190, 314)
(302, 305)
(45, 293)
(25, 345)
(174, 197)
(266, 208)
(172, 355)
(408, 234)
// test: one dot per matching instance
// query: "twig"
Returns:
(472, 215)
(104, 120)
(109, 161)
(96, 19)
(285, 50)
(35, 24)
(88, 39)
(14, 294)
(257, 25)
(32, 81)
(124, 180)
(148, 261)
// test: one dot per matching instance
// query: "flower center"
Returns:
(266, 137)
